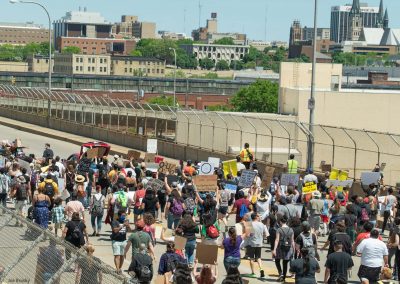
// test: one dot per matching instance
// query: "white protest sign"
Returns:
(206, 169)
(336, 183)
(290, 179)
(152, 146)
(368, 178)
(214, 161)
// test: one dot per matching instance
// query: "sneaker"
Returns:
(281, 279)
(262, 275)
(97, 235)
(94, 234)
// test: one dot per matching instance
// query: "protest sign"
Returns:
(246, 178)
(290, 179)
(170, 178)
(152, 146)
(368, 178)
(207, 254)
(155, 184)
(232, 187)
(165, 167)
(214, 161)
(339, 183)
(206, 169)
(132, 154)
(149, 157)
(267, 176)
(92, 153)
(205, 183)
(229, 167)
(84, 166)
(180, 242)
(26, 165)
(309, 187)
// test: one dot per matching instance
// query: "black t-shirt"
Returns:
(350, 220)
(299, 239)
(150, 204)
(297, 231)
(161, 194)
(338, 264)
(71, 225)
(346, 241)
(27, 178)
(296, 266)
(121, 235)
(90, 269)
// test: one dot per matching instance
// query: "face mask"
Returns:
(122, 219)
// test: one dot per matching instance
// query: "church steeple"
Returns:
(380, 15)
(386, 20)
(356, 22)
(355, 8)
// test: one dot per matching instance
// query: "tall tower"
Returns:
(296, 32)
(356, 22)
(379, 23)
(386, 20)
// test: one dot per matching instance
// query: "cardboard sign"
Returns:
(155, 184)
(149, 157)
(165, 167)
(290, 179)
(92, 153)
(267, 176)
(207, 254)
(84, 166)
(101, 151)
(231, 187)
(132, 154)
(309, 187)
(205, 183)
(247, 177)
(206, 168)
(229, 167)
(152, 146)
(368, 178)
(180, 242)
(214, 161)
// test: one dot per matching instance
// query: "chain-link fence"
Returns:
(273, 137)
(30, 254)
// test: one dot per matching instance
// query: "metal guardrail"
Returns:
(30, 254)
(273, 137)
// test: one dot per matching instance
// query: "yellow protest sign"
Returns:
(342, 176)
(230, 167)
(334, 174)
(309, 187)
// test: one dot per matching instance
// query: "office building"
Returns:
(137, 66)
(344, 18)
(125, 27)
(201, 34)
(238, 39)
(216, 52)
(22, 33)
(82, 64)
(39, 64)
(299, 33)
(144, 30)
(98, 45)
(171, 35)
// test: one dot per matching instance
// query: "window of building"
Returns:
(148, 70)
(101, 69)
(232, 56)
(80, 68)
(92, 68)
(130, 70)
(77, 68)
(101, 60)
(81, 59)
(162, 71)
(105, 69)
(105, 60)
(153, 71)
(209, 55)
(88, 69)
(126, 70)
(37, 60)
(158, 71)
(77, 60)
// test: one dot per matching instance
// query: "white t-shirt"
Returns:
(372, 252)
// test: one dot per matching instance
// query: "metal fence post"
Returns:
(271, 133)
(333, 144)
(288, 133)
(255, 132)
(376, 144)
(355, 150)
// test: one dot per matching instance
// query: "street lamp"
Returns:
(50, 67)
(174, 50)
(311, 101)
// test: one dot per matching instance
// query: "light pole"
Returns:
(50, 66)
(174, 50)
(311, 101)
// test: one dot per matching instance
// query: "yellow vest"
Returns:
(292, 166)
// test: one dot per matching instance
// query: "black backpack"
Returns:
(77, 235)
(285, 239)
(142, 269)
(22, 192)
(172, 262)
(49, 189)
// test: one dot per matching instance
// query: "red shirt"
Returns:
(238, 204)
(363, 236)
(139, 194)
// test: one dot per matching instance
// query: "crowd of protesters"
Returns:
(283, 216)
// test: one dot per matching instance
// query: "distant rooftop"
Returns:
(84, 17)
(21, 25)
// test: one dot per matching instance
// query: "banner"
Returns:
(205, 183)
(92, 153)
(155, 184)
(246, 178)
(231, 187)
(229, 167)
(309, 187)
(290, 179)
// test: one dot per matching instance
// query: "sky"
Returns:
(259, 19)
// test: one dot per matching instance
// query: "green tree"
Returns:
(236, 65)
(71, 50)
(224, 41)
(136, 53)
(219, 108)
(162, 100)
(260, 96)
(206, 63)
(222, 65)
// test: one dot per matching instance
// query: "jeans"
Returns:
(99, 221)
(88, 194)
(386, 215)
(173, 220)
(231, 261)
(189, 250)
(47, 276)
(3, 199)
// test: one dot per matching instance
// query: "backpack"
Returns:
(212, 232)
(49, 189)
(22, 192)
(77, 236)
(177, 208)
(308, 243)
(97, 209)
(122, 199)
(364, 214)
(243, 210)
(33, 179)
(3, 184)
(285, 240)
(190, 205)
(172, 262)
(142, 270)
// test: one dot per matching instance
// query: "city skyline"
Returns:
(183, 15)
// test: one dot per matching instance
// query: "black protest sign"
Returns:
(155, 184)
(247, 178)
(170, 178)
(84, 166)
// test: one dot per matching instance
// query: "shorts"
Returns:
(253, 252)
(223, 210)
(372, 274)
(19, 206)
(138, 211)
(325, 219)
(118, 247)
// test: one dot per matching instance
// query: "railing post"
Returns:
(355, 150)
(376, 144)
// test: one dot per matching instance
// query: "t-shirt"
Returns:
(338, 264)
(230, 250)
(289, 210)
(256, 238)
(90, 270)
(350, 220)
(150, 204)
(121, 235)
(296, 266)
(372, 252)
(139, 197)
(71, 225)
(390, 200)
(364, 235)
(138, 238)
(73, 206)
(238, 204)
(316, 206)
(341, 236)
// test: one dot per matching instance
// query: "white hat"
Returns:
(116, 157)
